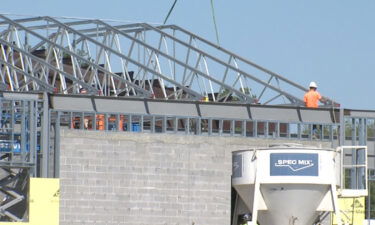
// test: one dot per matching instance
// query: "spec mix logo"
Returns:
(294, 164)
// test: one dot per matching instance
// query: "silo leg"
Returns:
(336, 204)
(254, 216)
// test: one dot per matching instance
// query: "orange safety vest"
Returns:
(312, 98)
(100, 125)
(121, 123)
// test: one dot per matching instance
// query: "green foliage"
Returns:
(371, 196)
(248, 92)
(228, 93)
(370, 129)
(245, 90)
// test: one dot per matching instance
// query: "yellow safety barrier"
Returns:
(44, 202)
(352, 211)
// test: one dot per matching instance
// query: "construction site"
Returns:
(113, 123)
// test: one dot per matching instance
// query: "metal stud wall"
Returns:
(20, 151)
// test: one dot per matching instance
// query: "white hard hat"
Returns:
(313, 85)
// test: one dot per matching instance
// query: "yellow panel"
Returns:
(44, 198)
(44, 201)
(352, 210)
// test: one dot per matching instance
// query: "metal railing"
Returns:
(195, 125)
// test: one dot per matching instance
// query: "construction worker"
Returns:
(312, 97)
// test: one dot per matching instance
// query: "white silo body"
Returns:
(289, 184)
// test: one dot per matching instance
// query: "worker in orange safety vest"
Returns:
(312, 97)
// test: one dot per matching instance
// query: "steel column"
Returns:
(45, 137)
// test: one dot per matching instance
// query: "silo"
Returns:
(287, 184)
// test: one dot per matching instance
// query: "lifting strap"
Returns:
(214, 19)
(170, 11)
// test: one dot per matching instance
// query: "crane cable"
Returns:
(170, 11)
(214, 19)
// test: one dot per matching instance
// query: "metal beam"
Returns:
(193, 109)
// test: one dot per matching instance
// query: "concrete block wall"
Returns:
(139, 178)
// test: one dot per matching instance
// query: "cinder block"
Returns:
(138, 178)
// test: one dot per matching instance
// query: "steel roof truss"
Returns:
(71, 53)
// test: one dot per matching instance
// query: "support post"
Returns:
(187, 126)
(244, 128)
(232, 127)
(164, 125)
(152, 124)
(175, 125)
(360, 157)
(255, 128)
(57, 146)
(353, 171)
(45, 136)
(342, 128)
(23, 131)
(198, 127)
(209, 127)
(368, 211)
(33, 136)
(130, 123)
(221, 123)
(257, 193)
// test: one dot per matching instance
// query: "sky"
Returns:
(329, 42)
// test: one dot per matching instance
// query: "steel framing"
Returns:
(151, 70)
(166, 62)
(38, 118)
(19, 151)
